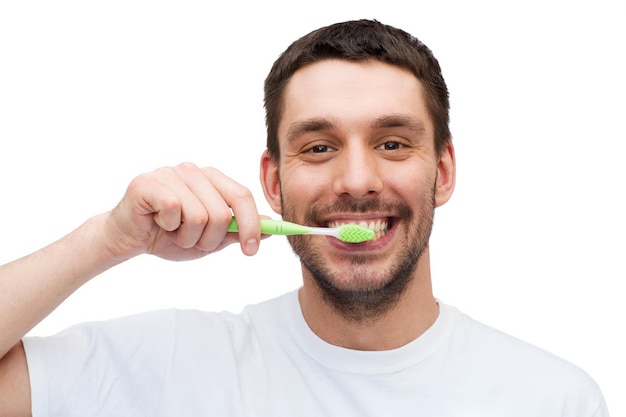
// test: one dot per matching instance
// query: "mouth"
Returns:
(380, 226)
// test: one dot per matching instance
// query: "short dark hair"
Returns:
(359, 40)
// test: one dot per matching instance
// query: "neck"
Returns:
(413, 313)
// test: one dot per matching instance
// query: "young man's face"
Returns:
(357, 145)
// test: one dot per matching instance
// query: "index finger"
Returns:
(241, 202)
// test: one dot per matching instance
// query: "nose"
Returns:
(357, 173)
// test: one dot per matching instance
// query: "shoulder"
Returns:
(483, 340)
(169, 325)
(517, 364)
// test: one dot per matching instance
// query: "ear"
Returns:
(446, 175)
(270, 180)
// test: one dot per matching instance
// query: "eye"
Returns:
(390, 146)
(320, 149)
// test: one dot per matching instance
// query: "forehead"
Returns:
(353, 93)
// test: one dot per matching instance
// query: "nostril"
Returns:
(358, 175)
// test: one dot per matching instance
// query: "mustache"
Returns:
(318, 213)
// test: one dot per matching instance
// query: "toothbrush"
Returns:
(351, 233)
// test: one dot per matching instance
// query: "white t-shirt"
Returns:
(267, 362)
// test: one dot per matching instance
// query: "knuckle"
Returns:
(187, 167)
(139, 182)
(222, 216)
(197, 218)
(211, 171)
(240, 193)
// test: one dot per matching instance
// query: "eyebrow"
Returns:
(310, 125)
(399, 120)
(383, 122)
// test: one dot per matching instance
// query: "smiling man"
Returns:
(357, 128)
(353, 152)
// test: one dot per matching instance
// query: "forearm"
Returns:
(33, 286)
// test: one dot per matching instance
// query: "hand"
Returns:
(182, 213)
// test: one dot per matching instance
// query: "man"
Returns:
(357, 128)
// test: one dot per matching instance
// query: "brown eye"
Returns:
(390, 146)
(320, 149)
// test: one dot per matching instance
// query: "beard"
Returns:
(361, 293)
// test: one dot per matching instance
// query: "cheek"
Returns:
(301, 183)
(418, 190)
(408, 179)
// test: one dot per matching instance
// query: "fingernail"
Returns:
(252, 246)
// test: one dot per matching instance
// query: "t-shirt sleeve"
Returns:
(119, 363)
(602, 410)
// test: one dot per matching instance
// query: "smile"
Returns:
(379, 226)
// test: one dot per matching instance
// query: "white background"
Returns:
(532, 242)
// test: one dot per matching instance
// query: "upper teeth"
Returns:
(379, 226)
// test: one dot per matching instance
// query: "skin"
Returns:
(176, 213)
(183, 212)
(360, 133)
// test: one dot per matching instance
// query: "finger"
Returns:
(152, 197)
(241, 202)
(205, 220)
(169, 194)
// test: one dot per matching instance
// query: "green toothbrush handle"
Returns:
(274, 227)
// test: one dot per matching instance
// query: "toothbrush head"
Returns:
(353, 233)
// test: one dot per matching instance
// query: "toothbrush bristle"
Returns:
(353, 233)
